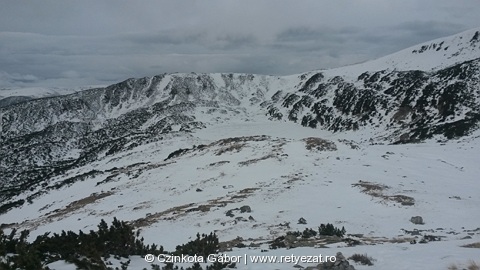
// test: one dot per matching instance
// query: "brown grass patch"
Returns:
(248, 190)
(472, 245)
(230, 148)
(244, 193)
(73, 206)
(363, 259)
(378, 191)
(471, 266)
(178, 211)
(318, 144)
(152, 218)
(219, 163)
(255, 160)
(59, 214)
(241, 139)
(402, 199)
(372, 189)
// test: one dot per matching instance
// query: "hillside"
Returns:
(364, 147)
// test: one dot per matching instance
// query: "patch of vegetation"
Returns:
(183, 151)
(295, 233)
(307, 233)
(319, 144)
(307, 237)
(255, 160)
(330, 230)
(352, 242)
(256, 138)
(372, 189)
(85, 250)
(402, 199)
(377, 190)
(5, 207)
(75, 205)
(219, 163)
(471, 266)
(302, 221)
(363, 259)
(203, 245)
(230, 148)
(472, 245)
(92, 250)
(177, 153)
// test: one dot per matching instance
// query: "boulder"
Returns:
(417, 220)
(245, 209)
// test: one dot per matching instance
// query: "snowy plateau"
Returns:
(387, 149)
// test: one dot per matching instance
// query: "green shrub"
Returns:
(82, 249)
(331, 230)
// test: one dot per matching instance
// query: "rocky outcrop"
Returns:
(407, 105)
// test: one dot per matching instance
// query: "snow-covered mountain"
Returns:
(184, 152)
(429, 56)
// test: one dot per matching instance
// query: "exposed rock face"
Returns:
(414, 103)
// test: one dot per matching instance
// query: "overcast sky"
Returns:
(73, 43)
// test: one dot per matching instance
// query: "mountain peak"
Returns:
(427, 56)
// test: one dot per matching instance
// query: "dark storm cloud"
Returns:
(66, 43)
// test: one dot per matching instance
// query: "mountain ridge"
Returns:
(253, 158)
(386, 106)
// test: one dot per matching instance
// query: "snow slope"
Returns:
(281, 181)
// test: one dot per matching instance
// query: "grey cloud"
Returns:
(429, 29)
(308, 33)
(232, 42)
(52, 43)
(166, 38)
(326, 45)
(15, 79)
